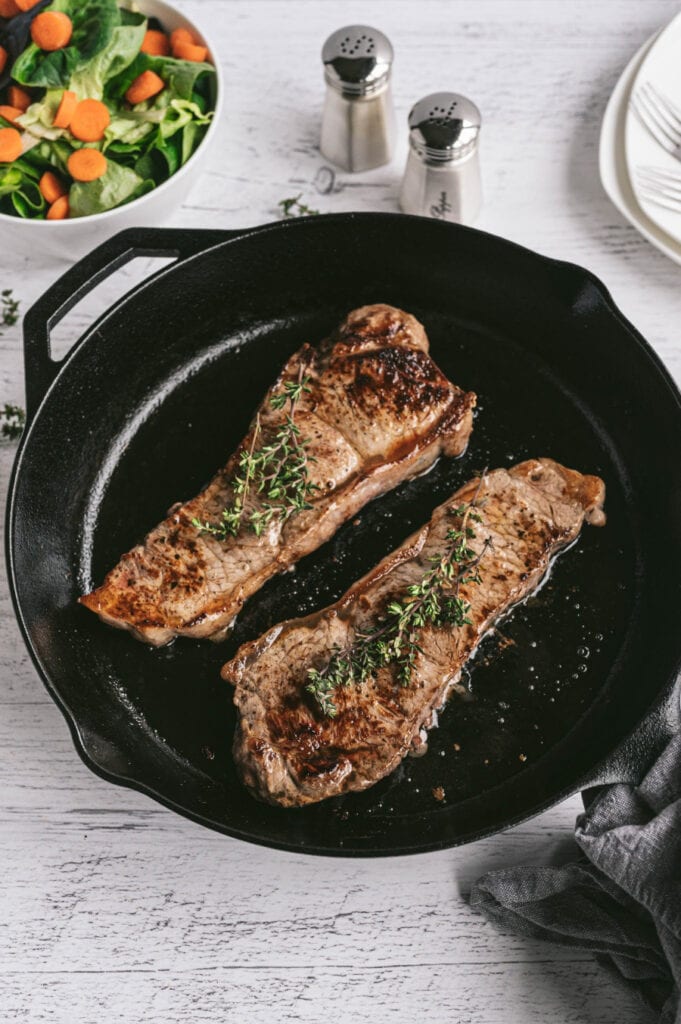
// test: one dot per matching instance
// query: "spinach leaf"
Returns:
(15, 35)
(181, 76)
(94, 22)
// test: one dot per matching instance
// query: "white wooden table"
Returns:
(114, 909)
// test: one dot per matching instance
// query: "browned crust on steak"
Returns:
(379, 411)
(286, 751)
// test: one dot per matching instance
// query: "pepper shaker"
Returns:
(442, 176)
(358, 124)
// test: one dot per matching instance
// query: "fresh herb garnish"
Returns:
(278, 473)
(434, 601)
(9, 308)
(294, 208)
(12, 420)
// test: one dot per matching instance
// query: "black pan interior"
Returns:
(164, 388)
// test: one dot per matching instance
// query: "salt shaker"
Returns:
(358, 125)
(442, 176)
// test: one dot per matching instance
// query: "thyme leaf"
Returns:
(294, 208)
(435, 600)
(275, 473)
(12, 420)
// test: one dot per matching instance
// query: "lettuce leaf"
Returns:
(119, 185)
(119, 54)
(94, 22)
(39, 118)
(19, 192)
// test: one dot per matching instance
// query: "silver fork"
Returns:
(659, 116)
(660, 186)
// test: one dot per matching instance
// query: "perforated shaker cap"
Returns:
(444, 126)
(357, 60)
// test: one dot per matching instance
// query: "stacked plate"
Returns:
(638, 170)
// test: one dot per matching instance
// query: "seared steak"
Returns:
(288, 751)
(378, 411)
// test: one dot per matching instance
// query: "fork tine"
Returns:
(654, 116)
(671, 192)
(648, 124)
(664, 117)
(650, 181)
(668, 204)
(669, 105)
(662, 173)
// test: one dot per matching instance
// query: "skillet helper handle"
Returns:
(40, 368)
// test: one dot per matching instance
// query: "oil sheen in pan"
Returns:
(530, 682)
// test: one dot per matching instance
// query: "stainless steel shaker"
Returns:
(442, 176)
(358, 124)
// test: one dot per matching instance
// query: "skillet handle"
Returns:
(40, 368)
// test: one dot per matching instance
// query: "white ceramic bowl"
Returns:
(71, 239)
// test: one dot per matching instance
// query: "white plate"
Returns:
(612, 160)
(660, 66)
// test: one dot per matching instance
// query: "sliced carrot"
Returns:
(190, 51)
(59, 210)
(90, 120)
(10, 145)
(26, 5)
(3, 58)
(8, 8)
(18, 97)
(51, 187)
(181, 35)
(86, 165)
(156, 43)
(11, 114)
(66, 109)
(145, 86)
(51, 30)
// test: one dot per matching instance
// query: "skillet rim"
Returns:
(149, 241)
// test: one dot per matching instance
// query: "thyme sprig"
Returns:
(293, 207)
(9, 308)
(435, 600)
(12, 420)
(277, 472)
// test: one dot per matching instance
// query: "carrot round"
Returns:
(51, 30)
(66, 109)
(10, 145)
(11, 114)
(59, 210)
(89, 121)
(86, 165)
(8, 8)
(51, 187)
(145, 86)
(156, 43)
(3, 58)
(25, 5)
(190, 51)
(181, 35)
(18, 97)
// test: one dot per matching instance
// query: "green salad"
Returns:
(97, 106)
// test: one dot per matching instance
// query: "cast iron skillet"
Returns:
(157, 393)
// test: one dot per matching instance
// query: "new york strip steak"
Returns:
(287, 750)
(377, 411)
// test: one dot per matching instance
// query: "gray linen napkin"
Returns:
(621, 897)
